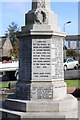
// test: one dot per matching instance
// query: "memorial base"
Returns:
(65, 108)
(47, 90)
(43, 101)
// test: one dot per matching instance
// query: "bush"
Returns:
(71, 53)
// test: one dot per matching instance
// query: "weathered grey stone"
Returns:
(62, 105)
(41, 90)
(53, 115)
(40, 4)
(42, 58)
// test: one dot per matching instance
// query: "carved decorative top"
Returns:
(40, 4)
(39, 12)
(40, 16)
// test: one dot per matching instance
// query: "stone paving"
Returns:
(79, 109)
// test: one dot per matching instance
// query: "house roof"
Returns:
(5, 45)
(73, 37)
(2, 41)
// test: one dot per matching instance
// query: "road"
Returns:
(72, 74)
(69, 74)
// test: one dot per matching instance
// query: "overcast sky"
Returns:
(15, 11)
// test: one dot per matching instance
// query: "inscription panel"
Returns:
(41, 59)
(57, 58)
(42, 92)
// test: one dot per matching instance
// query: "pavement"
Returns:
(72, 74)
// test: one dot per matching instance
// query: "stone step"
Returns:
(20, 115)
(69, 102)
(9, 114)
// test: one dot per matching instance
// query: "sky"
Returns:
(15, 11)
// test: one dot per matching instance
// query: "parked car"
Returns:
(17, 74)
(8, 65)
(70, 63)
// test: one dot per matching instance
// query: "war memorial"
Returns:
(41, 91)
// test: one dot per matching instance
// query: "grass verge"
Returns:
(70, 83)
(4, 84)
(73, 83)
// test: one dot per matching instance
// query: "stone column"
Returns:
(41, 56)
(40, 4)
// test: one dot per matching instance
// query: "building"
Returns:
(73, 42)
(5, 46)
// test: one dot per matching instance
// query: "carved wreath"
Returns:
(40, 16)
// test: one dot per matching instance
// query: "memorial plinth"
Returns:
(41, 56)
(41, 87)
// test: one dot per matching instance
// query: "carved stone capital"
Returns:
(40, 4)
(40, 16)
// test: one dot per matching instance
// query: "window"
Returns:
(70, 60)
(77, 43)
(69, 44)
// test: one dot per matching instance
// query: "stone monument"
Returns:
(41, 90)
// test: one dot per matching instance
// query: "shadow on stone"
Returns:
(76, 93)
(5, 78)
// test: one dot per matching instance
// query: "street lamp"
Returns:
(66, 23)
(64, 38)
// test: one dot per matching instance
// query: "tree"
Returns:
(71, 53)
(15, 51)
(13, 28)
